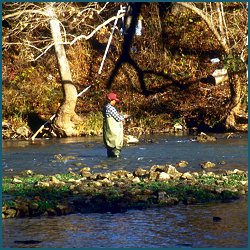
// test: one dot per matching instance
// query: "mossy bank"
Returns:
(32, 194)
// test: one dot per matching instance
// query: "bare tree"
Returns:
(231, 30)
(40, 27)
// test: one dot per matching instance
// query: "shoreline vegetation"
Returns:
(30, 194)
(170, 80)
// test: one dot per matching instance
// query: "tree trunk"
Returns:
(237, 118)
(66, 116)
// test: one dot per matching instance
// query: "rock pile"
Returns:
(117, 191)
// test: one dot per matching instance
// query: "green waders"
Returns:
(113, 136)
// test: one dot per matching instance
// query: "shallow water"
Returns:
(39, 155)
(171, 227)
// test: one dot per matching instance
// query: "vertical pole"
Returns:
(110, 39)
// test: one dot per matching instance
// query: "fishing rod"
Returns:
(53, 116)
(121, 11)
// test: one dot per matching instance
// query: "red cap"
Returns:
(112, 96)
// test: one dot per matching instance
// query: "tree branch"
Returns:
(209, 24)
(19, 13)
(86, 37)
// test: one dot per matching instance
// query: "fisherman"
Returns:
(113, 126)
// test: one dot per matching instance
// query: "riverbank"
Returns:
(30, 194)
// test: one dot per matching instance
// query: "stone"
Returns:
(207, 164)
(140, 172)
(85, 174)
(159, 168)
(10, 213)
(28, 172)
(130, 139)
(15, 180)
(187, 176)
(153, 175)
(202, 137)
(23, 131)
(54, 180)
(62, 209)
(136, 180)
(85, 169)
(41, 184)
(33, 205)
(182, 164)
(163, 176)
(173, 172)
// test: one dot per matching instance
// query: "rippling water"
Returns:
(39, 155)
(172, 227)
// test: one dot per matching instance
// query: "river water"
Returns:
(178, 226)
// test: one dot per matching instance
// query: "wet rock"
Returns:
(28, 172)
(237, 171)
(136, 180)
(41, 184)
(122, 173)
(219, 182)
(61, 158)
(4, 208)
(102, 176)
(23, 131)
(159, 168)
(51, 211)
(164, 199)
(216, 218)
(10, 213)
(182, 164)
(164, 176)
(187, 176)
(54, 180)
(70, 171)
(175, 174)
(106, 182)
(140, 172)
(33, 205)
(140, 197)
(161, 195)
(148, 192)
(85, 174)
(16, 180)
(202, 137)
(78, 164)
(85, 169)
(207, 164)
(62, 209)
(153, 175)
(96, 184)
(222, 162)
(178, 127)
(130, 139)
(189, 201)
(244, 183)
(74, 181)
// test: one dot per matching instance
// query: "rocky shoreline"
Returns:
(31, 194)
